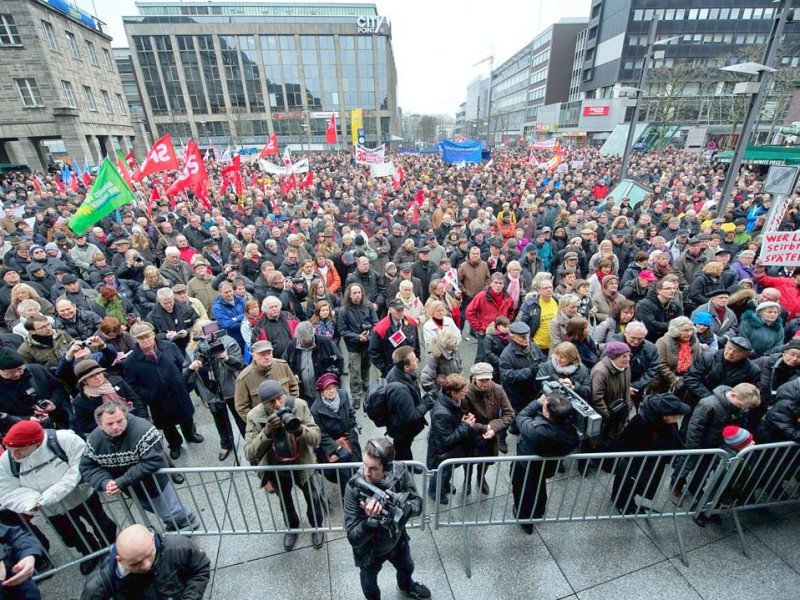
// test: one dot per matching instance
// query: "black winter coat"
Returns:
(518, 373)
(160, 383)
(644, 363)
(655, 316)
(710, 370)
(84, 406)
(183, 317)
(18, 404)
(780, 423)
(373, 286)
(84, 324)
(333, 426)
(354, 319)
(449, 436)
(540, 437)
(774, 373)
(709, 418)
(325, 356)
(404, 405)
(581, 380)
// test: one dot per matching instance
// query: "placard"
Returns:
(780, 248)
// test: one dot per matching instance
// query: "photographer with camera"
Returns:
(213, 371)
(546, 428)
(281, 431)
(375, 516)
(29, 391)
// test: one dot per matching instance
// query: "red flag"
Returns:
(37, 185)
(123, 170)
(73, 182)
(202, 194)
(86, 178)
(233, 174)
(271, 147)
(59, 185)
(397, 177)
(161, 157)
(419, 198)
(193, 173)
(331, 136)
(308, 180)
(131, 160)
(152, 202)
(288, 184)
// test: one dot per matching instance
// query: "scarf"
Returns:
(324, 328)
(568, 370)
(113, 307)
(253, 320)
(331, 405)
(105, 392)
(44, 340)
(513, 290)
(684, 356)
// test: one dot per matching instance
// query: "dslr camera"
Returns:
(288, 419)
(211, 344)
(588, 423)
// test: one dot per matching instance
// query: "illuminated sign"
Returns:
(596, 110)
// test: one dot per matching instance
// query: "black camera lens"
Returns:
(288, 419)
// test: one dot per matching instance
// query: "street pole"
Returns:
(753, 110)
(626, 156)
(489, 108)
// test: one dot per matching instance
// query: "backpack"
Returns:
(375, 403)
(53, 446)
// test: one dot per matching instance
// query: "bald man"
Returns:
(183, 568)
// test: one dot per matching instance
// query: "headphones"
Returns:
(387, 464)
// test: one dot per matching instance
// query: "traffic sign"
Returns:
(781, 180)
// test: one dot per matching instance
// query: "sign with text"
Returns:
(382, 170)
(781, 248)
(596, 110)
(370, 156)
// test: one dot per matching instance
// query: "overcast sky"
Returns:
(436, 42)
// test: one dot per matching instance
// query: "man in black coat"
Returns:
(729, 366)
(404, 405)
(22, 550)
(519, 364)
(782, 421)
(173, 321)
(310, 356)
(658, 309)
(372, 282)
(423, 270)
(79, 323)
(154, 566)
(644, 358)
(23, 387)
(154, 370)
(777, 369)
(545, 429)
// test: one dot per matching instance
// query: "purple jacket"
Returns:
(743, 271)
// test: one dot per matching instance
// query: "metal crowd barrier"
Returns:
(758, 477)
(227, 501)
(579, 487)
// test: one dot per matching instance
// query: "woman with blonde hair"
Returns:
(565, 363)
(250, 266)
(20, 292)
(438, 293)
(605, 250)
(142, 244)
(437, 319)
(676, 350)
(153, 281)
(708, 281)
(443, 360)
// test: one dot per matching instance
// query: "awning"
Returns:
(766, 155)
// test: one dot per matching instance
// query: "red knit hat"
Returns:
(24, 433)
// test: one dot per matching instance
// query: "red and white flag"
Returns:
(193, 173)
(37, 185)
(307, 181)
(397, 178)
(232, 174)
(331, 136)
(271, 147)
(131, 160)
(161, 157)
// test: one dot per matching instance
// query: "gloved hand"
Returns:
(273, 425)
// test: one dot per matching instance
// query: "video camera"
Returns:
(589, 422)
(211, 344)
(395, 508)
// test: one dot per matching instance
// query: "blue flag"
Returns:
(76, 168)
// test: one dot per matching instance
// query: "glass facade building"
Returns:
(239, 72)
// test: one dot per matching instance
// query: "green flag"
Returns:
(121, 155)
(108, 192)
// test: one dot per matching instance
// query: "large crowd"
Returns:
(272, 306)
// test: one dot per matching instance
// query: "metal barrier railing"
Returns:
(757, 477)
(222, 501)
(581, 487)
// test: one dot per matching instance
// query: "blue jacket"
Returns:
(230, 317)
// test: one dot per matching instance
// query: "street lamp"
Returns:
(639, 89)
(757, 89)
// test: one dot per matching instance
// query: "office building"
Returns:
(228, 72)
(63, 99)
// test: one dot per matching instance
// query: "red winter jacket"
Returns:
(483, 310)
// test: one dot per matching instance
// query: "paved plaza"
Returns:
(585, 561)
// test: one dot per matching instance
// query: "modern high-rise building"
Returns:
(63, 98)
(538, 74)
(226, 72)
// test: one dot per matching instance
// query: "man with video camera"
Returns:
(378, 502)
(282, 431)
(213, 372)
(547, 429)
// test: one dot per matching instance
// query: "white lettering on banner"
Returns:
(370, 156)
(160, 153)
(301, 166)
(776, 213)
(382, 170)
(781, 248)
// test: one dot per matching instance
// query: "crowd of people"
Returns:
(273, 307)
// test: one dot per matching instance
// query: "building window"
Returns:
(28, 93)
(107, 102)
(50, 35)
(69, 94)
(73, 45)
(92, 54)
(87, 93)
(121, 104)
(9, 36)
(109, 61)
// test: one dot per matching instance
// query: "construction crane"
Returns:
(490, 60)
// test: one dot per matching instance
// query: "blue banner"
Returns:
(455, 152)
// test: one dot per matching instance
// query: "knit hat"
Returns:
(87, 368)
(703, 318)
(326, 380)
(792, 345)
(24, 433)
(766, 305)
(616, 349)
(737, 438)
(269, 390)
(10, 359)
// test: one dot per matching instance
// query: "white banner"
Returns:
(382, 170)
(370, 156)
(301, 166)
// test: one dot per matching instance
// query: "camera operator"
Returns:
(376, 539)
(28, 391)
(281, 431)
(213, 371)
(546, 429)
